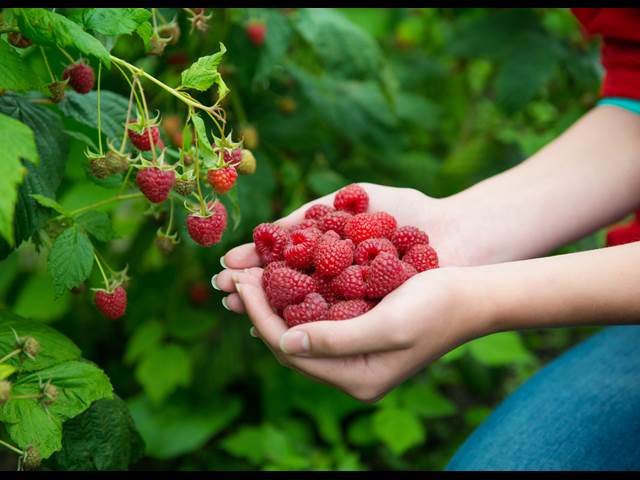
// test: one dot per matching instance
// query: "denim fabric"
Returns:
(580, 412)
(626, 103)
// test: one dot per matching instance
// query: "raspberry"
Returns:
(329, 236)
(406, 237)
(324, 287)
(350, 283)
(5, 391)
(348, 309)
(352, 198)
(18, 40)
(31, 459)
(247, 165)
(313, 308)
(331, 258)
(421, 257)
(299, 251)
(318, 211)
(369, 249)
(269, 269)
(185, 186)
(622, 234)
(360, 227)
(308, 223)
(155, 183)
(199, 294)
(141, 140)
(231, 157)
(99, 167)
(409, 270)
(80, 77)
(385, 224)
(385, 275)
(270, 240)
(256, 31)
(222, 179)
(335, 221)
(112, 305)
(288, 287)
(207, 230)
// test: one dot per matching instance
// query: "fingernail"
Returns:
(213, 282)
(294, 342)
(253, 332)
(224, 303)
(238, 291)
(224, 265)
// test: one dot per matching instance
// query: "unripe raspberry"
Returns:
(185, 186)
(250, 138)
(247, 165)
(18, 40)
(5, 391)
(30, 346)
(31, 458)
(50, 393)
(99, 168)
(57, 91)
(81, 77)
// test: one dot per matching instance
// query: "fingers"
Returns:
(243, 256)
(224, 280)
(234, 304)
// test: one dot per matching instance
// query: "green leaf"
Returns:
(6, 370)
(55, 348)
(104, 437)
(146, 338)
(144, 31)
(323, 182)
(162, 370)
(204, 73)
(52, 147)
(84, 109)
(98, 224)
(70, 259)
(79, 384)
(115, 21)
(181, 426)
(504, 348)
(426, 401)
(398, 429)
(49, 203)
(52, 29)
(15, 73)
(37, 299)
(204, 143)
(17, 142)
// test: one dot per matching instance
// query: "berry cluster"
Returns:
(340, 261)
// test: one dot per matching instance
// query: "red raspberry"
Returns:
(141, 140)
(231, 157)
(256, 31)
(112, 305)
(350, 283)
(299, 251)
(360, 227)
(288, 287)
(385, 224)
(270, 240)
(208, 230)
(330, 236)
(222, 179)
(318, 211)
(199, 293)
(385, 275)
(334, 221)
(269, 269)
(331, 258)
(369, 249)
(324, 288)
(308, 223)
(80, 77)
(621, 234)
(406, 237)
(348, 309)
(409, 270)
(352, 198)
(313, 308)
(422, 257)
(156, 183)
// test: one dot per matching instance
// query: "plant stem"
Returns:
(104, 277)
(126, 180)
(146, 122)
(138, 104)
(196, 162)
(12, 448)
(46, 62)
(170, 218)
(33, 396)
(126, 122)
(99, 122)
(11, 354)
(101, 203)
(69, 57)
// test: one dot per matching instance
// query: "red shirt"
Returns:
(620, 31)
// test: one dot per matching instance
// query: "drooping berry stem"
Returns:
(11, 447)
(104, 277)
(146, 122)
(46, 62)
(99, 110)
(10, 355)
(107, 201)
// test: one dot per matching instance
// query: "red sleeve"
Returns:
(620, 31)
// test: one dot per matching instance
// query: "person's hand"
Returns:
(369, 355)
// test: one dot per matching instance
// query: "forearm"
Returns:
(585, 179)
(587, 288)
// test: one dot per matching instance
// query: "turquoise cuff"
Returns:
(626, 103)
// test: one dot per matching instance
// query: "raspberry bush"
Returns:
(138, 145)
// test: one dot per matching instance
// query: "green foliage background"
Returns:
(434, 99)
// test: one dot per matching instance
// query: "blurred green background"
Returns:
(434, 99)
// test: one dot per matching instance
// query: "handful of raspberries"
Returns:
(340, 261)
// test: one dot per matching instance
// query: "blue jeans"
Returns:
(580, 412)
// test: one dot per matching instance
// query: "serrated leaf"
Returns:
(503, 348)
(204, 73)
(398, 429)
(115, 21)
(6, 370)
(17, 142)
(182, 426)
(162, 370)
(104, 437)
(15, 73)
(144, 31)
(49, 203)
(84, 109)
(204, 145)
(426, 401)
(79, 384)
(52, 29)
(98, 224)
(70, 259)
(54, 347)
